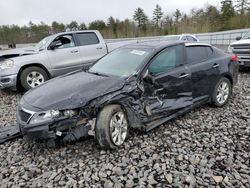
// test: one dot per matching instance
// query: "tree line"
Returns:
(230, 15)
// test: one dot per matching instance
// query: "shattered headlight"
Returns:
(43, 117)
(6, 64)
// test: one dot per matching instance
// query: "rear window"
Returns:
(87, 38)
(197, 54)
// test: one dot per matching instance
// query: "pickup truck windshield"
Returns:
(247, 35)
(121, 62)
(41, 45)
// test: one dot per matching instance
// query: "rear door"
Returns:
(171, 87)
(90, 47)
(64, 58)
(204, 70)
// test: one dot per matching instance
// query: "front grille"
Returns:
(24, 116)
(247, 46)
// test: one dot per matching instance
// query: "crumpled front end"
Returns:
(62, 127)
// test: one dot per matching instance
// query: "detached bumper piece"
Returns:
(9, 133)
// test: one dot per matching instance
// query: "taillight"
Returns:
(234, 58)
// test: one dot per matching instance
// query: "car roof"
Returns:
(157, 45)
(153, 44)
(197, 44)
(79, 31)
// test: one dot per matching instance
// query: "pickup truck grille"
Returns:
(241, 47)
(24, 116)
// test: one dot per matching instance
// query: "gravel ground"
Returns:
(207, 147)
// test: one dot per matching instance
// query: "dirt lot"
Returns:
(207, 147)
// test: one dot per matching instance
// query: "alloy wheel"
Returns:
(34, 79)
(222, 92)
(118, 128)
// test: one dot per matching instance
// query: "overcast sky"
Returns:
(22, 11)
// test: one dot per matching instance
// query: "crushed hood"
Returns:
(71, 91)
(241, 42)
(5, 54)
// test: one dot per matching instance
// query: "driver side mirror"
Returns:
(55, 44)
(238, 38)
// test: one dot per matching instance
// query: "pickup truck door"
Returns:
(91, 47)
(170, 89)
(204, 71)
(65, 56)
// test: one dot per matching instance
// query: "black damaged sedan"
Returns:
(137, 86)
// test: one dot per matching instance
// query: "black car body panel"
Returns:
(75, 90)
(149, 100)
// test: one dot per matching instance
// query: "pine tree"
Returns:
(242, 6)
(227, 12)
(177, 16)
(157, 15)
(140, 17)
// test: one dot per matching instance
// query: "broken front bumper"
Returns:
(68, 129)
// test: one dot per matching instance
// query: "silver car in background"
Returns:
(185, 37)
(53, 56)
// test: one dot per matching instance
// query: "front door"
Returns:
(169, 88)
(65, 57)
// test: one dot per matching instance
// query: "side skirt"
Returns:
(156, 123)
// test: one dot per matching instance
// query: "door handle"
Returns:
(216, 65)
(74, 51)
(99, 48)
(184, 75)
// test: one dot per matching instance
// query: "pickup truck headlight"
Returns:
(43, 117)
(230, 49)
(6, 64)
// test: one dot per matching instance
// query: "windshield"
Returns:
(121, 62)
(247, 35)
(41, 45)
(170, 38)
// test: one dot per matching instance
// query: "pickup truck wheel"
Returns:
(31, 77)
(222, 92)
(111, 127)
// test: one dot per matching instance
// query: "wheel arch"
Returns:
(229, 77)
(31, 65)
(133, 120)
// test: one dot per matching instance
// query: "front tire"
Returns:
(222, 92)
(111, 127)
(33, 76)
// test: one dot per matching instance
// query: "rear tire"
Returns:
(222, 92)
(33, 76)
(111, 127)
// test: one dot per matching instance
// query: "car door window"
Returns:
(189, 38)
(196, 54)
(166, 60)
(87, 39)
(184, 38)
(66, 41)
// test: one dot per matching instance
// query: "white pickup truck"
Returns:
(53, 56)
(242, 49)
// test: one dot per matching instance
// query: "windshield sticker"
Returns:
(137, 52)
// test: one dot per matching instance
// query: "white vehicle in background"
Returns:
(185, 37)
(242, 49)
